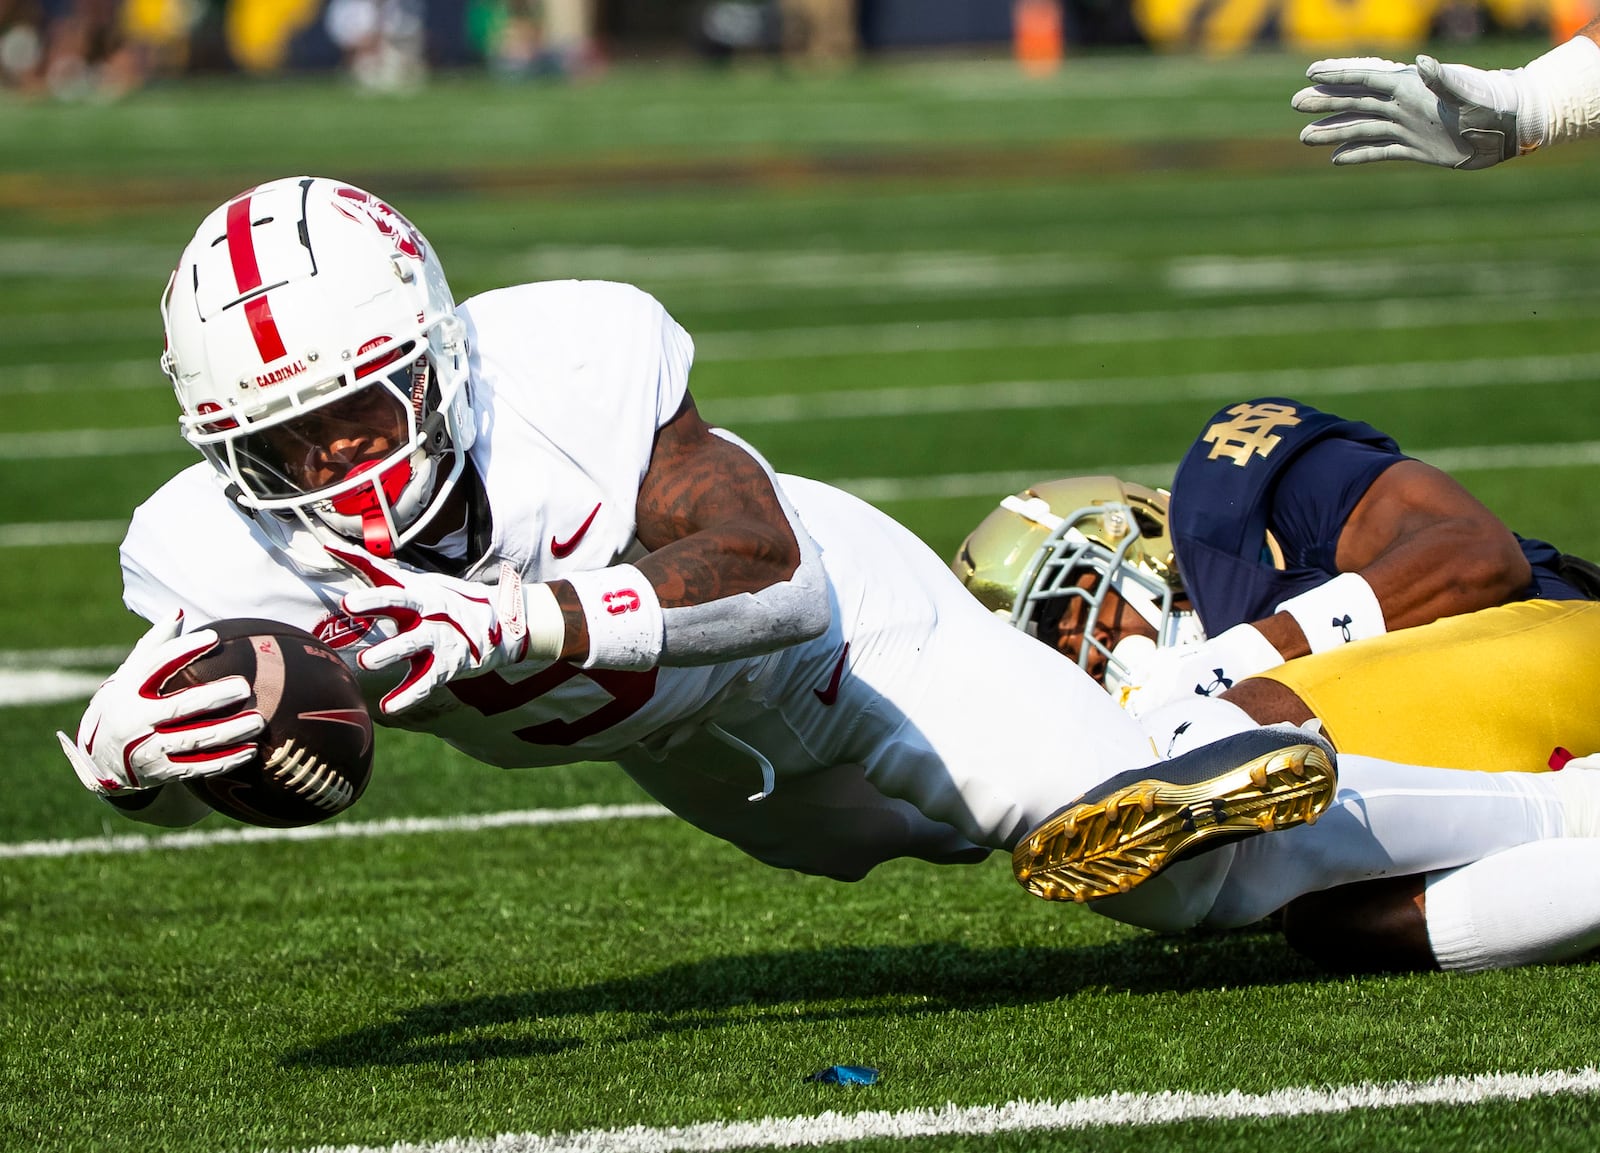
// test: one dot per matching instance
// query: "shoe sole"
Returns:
(1107, 846)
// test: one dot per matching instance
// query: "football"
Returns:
(315, 754)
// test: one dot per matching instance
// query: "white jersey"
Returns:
(916, 724)
(570, 382)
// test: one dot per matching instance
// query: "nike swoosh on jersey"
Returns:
(561, 548)
(830, 694)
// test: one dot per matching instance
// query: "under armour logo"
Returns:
(1343, 625)
(1249, 433)
(1220, 684)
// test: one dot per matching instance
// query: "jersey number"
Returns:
(491, 694)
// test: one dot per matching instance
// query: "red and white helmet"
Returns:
(313, 344)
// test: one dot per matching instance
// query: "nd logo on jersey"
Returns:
(1250, 432)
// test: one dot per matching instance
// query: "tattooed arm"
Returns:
(733, 569)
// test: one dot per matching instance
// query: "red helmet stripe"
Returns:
(265, 330)
(247, 274)
(242, 246)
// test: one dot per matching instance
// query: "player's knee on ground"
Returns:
(1374, 926)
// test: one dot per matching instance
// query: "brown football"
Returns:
(315, 755)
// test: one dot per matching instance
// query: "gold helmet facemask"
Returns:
(1025, 561)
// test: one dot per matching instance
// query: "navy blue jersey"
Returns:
(1259, 501)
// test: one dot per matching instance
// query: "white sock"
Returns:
(1179, 726)
(1536, 902)
(1391, 820)
(1175, 899)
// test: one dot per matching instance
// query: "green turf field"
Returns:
(929, 283)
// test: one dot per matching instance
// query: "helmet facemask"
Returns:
(1071, 567)
(1063, 547)
(369, 453)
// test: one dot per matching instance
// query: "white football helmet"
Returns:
(1080, 537)
(313, 344)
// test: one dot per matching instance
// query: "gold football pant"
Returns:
(1497, 689)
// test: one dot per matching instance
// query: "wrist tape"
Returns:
(1337, 612)
(538, 616)
(624, 617)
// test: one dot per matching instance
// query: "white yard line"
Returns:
(92, 442)
(950, 486)
(1537, 302)
(989, 396)
(44, 535)
(1114, 1109)
(1116, 392)
(955, 486)
(396, 827)
(46, 686)
(1230, 321)
(104, 375)
(91, 657)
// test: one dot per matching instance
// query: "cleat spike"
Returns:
(1254, 782)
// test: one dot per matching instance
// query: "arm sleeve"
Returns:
(779, 615)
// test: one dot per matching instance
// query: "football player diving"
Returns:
(1342, 581)
(513, 520)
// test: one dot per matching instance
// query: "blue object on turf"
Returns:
(844, 1075)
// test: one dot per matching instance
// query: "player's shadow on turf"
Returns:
(823, 984)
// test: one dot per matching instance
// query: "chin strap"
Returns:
(363, 501)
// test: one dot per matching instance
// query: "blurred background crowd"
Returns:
(102, 49)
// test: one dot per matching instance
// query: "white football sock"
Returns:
(1390, 820)
(1189, 722)
(1533, 903)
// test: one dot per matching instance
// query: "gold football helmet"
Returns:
(1027, 559)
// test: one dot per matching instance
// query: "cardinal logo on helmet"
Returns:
(407, 240)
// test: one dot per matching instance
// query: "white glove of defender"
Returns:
(450, 628)
(1205, 669)
(1449, 115)
(134, 737)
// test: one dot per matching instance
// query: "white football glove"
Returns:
(1449, 115)
(134, 737)
(449, 628)
(1205, 669)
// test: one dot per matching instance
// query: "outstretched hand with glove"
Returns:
(448, 628)
(1450, 115)
(135, 736)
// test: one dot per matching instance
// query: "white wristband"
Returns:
(1567, 79)
(1231, 656)
(624, 617)
(1337, 612)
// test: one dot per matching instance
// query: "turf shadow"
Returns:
(847, 982)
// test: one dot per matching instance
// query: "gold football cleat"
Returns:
(1136, 824)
